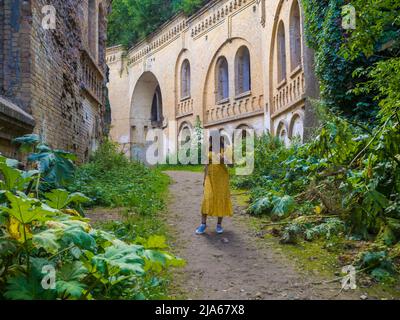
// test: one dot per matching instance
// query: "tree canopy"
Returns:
(132, 20)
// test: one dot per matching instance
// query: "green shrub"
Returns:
(344, 170)
(44, 233)
(111, 180)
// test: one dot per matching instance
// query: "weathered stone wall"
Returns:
(61, 83)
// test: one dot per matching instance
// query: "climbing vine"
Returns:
(324, 33)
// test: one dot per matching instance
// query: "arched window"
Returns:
(92, 35)
(185, 80)
(241, 134)
(243, 128)
(295, 36)
(156, 108)
(281, 46)
(296, 128)
(222, 79)
(282, 133)
(226, 138)
(185, 135)
(242, 69)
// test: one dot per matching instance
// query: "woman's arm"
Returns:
(205, 174)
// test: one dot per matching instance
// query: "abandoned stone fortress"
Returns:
(53, 80)
(233, 64)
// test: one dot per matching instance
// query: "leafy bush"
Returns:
(55, 167)
(111, 180)
(344, 169)
(41, 238)
(379, 264)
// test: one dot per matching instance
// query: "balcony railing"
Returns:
(184, 108)
(240, 108)
(288, 93)
(92, 78)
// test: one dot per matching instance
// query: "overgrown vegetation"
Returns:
(132, 20)
(111, 180)
(49, 251)
(346, 181)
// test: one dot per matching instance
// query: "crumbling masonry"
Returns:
(53, 81)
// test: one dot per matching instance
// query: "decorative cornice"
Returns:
(219, 16)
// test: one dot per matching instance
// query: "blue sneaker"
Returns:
(201, 229)
(219, 229)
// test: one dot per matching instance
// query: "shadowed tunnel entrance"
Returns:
(146, 113)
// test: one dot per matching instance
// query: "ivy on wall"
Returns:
(324, 34)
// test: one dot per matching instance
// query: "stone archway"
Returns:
(185, 133)
(296, 128)
(282, 133)
(146, 113)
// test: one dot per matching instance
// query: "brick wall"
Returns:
(45, 76)
(14, 48)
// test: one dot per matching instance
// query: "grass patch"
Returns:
(242, 197)
(179, 167)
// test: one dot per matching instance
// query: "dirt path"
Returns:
(233, 265)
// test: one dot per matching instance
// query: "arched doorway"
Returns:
(146, 113)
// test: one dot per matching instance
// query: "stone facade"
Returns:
(53, 81)
(234, 63)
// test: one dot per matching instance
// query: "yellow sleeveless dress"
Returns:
(217, 198)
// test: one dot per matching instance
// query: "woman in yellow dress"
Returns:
(217, 198)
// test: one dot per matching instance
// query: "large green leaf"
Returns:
(72, 271)
(125, 257)
(47, 240)
(27, 142)
(283, 206)
(57, 199)
(375, 201)
(69, 279)
(78, 198)
(14, 179)
(260, 206)
(29, 287)
(44, 160)
(23, 288)
(27, 210)
(70, 288)
(56, 166)
(79, 237)
(155, 256)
